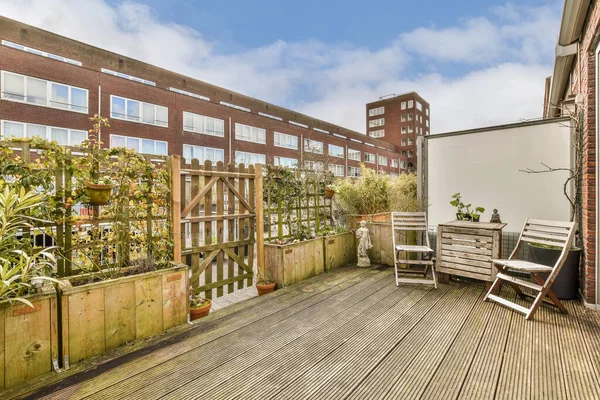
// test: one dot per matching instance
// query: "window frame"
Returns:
(141, 111)
(335, 147)
(285, 136)
(307, 146)
(248, 152)
(204, 131)
(48, 99)
(368, 156)
(239, 133)
(47, 129)
(141, 139)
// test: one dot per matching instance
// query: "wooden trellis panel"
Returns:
(214, 217)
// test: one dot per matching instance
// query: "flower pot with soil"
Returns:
(199, 307)
(265, 283)
(329, 192)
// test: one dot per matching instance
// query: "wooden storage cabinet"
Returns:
(467, 248)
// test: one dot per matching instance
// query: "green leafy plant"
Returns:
(22, 266)
(197, 301)
(368, 194)
(264, 278)
(402, 195)
(476, 213)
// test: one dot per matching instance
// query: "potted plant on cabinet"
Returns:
(199, 307)
(476, 214)
(264, 282)
(462, 210)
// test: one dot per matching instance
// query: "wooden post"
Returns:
(260, 228)
(176, 205)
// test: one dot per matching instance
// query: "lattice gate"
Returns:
(216, 223)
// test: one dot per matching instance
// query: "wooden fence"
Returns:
(215, 218)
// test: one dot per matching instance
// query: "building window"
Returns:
(410, 117)
(128, 77)
(21, 88)
(403, 105)
(403, 142)
(427, 112)
(285, 162)
(138, 111)
(376, 122)
(410, 129)
(403, 118)
(376, 111)
(353, 155)
(335, 151)
(286, 141)
(145, 146)
(202, 154)
(426, 133)
(410, 153)
(370, 158)
(336, 169)
(249, 158)
(249, 133)
(410, 142)
(420, 118)
(63, 136)
(404, 153)
(313, 165)
(410, 104)
(354, 172)
(40, 53)
(382, 160)
(378, 133)
(403, 130)
(394, 175)
(419, 106)
(394, 163)
(202, 124)
(313, 146)
(403, 164)
(427, 123)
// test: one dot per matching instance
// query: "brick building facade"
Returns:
(51, 85)
(574, 90)
(400, 119)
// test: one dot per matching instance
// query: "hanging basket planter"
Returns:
(98, 194)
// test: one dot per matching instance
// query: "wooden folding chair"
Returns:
(552, 233)
(412, 222)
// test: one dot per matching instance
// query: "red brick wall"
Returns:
(89, 77)
(588, 88)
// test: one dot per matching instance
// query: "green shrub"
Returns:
(402, 195)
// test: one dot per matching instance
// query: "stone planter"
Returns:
(339, 250)
(29, 338)
(101, 316)
(291, 263)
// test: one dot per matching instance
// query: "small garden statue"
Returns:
(364, 244)
(495, 217)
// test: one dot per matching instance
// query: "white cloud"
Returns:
(507, 57)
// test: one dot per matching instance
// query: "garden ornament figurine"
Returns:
(364, 244)
(495, 217)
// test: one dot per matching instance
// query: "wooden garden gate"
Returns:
(216, 222)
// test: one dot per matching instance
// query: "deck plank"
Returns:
(241, 350)
(352, 333)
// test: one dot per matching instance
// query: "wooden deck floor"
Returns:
(354, 334)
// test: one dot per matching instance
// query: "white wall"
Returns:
(484, 167)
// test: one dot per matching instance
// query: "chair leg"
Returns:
(536, 303)
(433, 276)
(495, 286)
(550, 294)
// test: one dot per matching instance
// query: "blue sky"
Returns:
(478, 63)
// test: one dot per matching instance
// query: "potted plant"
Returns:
(199, 307)
(98, 187)
(329, 192)
(100, 192)
(264, 283)
(476, 214)
(462, 211)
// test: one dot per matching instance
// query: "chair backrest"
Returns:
(550, 233)
(409, 221)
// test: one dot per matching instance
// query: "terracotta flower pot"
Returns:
(265, 288)
(99, 194)
(329, 193)
(199, 312)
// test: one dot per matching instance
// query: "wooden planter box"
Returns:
(382, 252)
(291, 263)
(101, 316)
(339, 250)
(29, 338)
